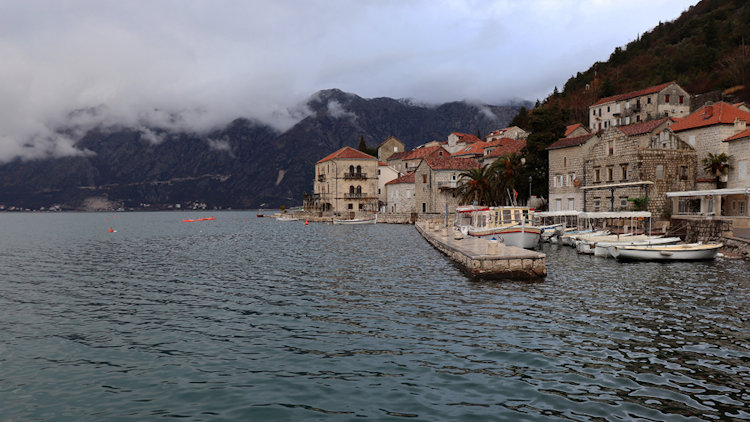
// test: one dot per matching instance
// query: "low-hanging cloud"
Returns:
(194, 66)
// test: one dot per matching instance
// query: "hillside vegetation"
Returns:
(704, 50)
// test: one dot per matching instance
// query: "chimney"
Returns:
(739, 125)
(708, 112)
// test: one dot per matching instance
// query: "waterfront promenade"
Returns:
(484, 258)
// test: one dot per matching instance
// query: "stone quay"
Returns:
(483, 258)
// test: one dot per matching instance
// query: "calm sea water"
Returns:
(252, 319)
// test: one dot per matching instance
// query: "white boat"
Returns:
(571, 237)
(287, 218)
(586, 244)
(684, 252)
(368, 220)
(602, 248)
(509, 225)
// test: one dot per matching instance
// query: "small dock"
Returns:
(485, 258)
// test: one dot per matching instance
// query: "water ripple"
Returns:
(246, 318)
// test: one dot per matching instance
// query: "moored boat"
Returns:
(602, 248)
(363, 220)
(509, 225)
(683, 252)
(287, 218)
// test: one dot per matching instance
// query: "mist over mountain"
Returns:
(246, 164)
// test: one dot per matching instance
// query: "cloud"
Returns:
(337, 111)
(194, 66)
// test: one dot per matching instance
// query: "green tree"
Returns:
(474, 185)
(717, 165)
(362, 144)
(522, 119)
(505, 173)
(547, 125)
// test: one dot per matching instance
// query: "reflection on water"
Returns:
(246, 318)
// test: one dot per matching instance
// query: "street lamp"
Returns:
(529, 188)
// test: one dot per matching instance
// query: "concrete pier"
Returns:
(485, 258)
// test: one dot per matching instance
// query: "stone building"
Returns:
(627, 164)
(400, 195)
(388, 147)
(346, 181)
(706, 129)
(435, 183)
(386, 173)
(667, 99)
(407, 161)
(566, 159)
(457, 141)
(513, 132)
(505, 146)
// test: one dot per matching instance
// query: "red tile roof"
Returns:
(744, 134)
(622, 97)
(477, 148)
(571, 142)
(426, 152)
(642, 127)
(571, 128)
(451, 163)
(407, 178)
(507, 145)
(348, 152)
(398, 155)
(466, 137)
(380, 163)
(709, 115)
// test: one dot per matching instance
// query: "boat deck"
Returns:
(484, 258)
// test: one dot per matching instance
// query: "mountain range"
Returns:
(246, 164)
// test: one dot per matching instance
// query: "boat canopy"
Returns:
(567, 213)
(621, 214)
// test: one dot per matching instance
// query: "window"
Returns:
(691, 140)
(565, 162)
(361, 206)
(666, 98)
(638, 118)
(600, 112)
(351, 206)
(648, 100)
(741, 208)
(610, 147)
(624, 169)
(440, 153)
(359, 169)
(597, 175)
(351, 169)
(378, 191)
(424, 178)
(627, 104)
(558, 204)
(378, 172)
(683, 172)
(627, 120)
(660, 171)
(682, 99)
(610, 173)
(395, 149)
(624, 203)
(351, 190)
(571, 204)
(607, 109)
(597, 205)
(424, 207)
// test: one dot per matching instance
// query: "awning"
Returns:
(622, 214)
(707, 192)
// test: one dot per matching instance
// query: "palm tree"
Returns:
(717, 165)
(505, 171)
(475, 186)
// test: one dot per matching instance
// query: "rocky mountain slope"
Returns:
(244, 165)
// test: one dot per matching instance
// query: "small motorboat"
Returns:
(368, 220)
(602, 248)
(286, 217)
(683, 252)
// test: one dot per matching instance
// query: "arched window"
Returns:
(359, 169)
(351, 169)
(359, 189)
(351, 189)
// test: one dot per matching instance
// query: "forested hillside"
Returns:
(704, 50)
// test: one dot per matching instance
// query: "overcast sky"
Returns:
(143, 62)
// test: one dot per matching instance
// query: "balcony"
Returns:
(355, 175)
(450, 184)
(357, 196)
(321, 178)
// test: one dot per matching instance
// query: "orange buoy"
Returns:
(111, 230)
(305, 222)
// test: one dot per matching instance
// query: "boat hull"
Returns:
(602, 248)
(522, 237)
(356, 221)
(691, 252)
